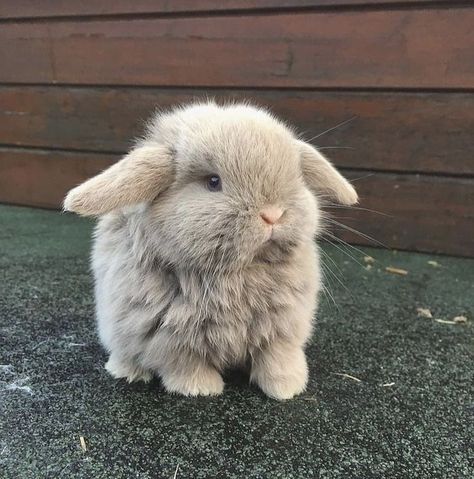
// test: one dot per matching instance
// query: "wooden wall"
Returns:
(77, 79)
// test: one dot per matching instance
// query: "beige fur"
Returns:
(140, 176)
(189, 280)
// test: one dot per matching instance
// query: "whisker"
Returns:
(357, 232)
(362, 177)
(328, 256)
(357, 208)
(333, 128)
(345, 243)
(342, 250)
(327, 269)
(335, 148)
(339, 217)
(328, 294)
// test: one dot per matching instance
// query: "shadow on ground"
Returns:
(407, 417)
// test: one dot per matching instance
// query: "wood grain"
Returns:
(413, 132)
(425, 213)
(57, 8)
(357, 49)
(41, 178)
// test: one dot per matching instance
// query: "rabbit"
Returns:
(204, 255)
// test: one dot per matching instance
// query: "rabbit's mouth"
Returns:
(276, 250)
(269, 233)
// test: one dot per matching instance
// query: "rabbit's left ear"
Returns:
(141, 176)
(321, 176)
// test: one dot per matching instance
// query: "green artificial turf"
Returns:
(408, 417)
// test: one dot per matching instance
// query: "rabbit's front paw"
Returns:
(203, 381)
(284, 387)
(129, 371)
(281, 376)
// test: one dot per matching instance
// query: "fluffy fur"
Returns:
(190, 281)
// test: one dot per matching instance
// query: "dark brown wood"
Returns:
(57, 8)
(426, 213)
(362, 49)
(417, 132)
(41, 178)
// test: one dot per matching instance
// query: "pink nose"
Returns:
(271, 214)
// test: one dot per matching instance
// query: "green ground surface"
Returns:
(53, 388)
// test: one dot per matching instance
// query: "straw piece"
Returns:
(83, 443)
(445, 321)
(401, 272)
(348, 376)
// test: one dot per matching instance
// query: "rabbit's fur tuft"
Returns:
(191, 279)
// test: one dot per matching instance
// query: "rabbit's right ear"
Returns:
(143, 174)
(321, 176)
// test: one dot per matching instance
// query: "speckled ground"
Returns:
(410, 416)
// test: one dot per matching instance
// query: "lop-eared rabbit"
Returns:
(204, 255)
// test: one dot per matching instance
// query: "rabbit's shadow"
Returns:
(234, 378)
(237, 377)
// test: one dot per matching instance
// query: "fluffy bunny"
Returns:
(204, 255)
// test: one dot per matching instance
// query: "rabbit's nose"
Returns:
(271, 214)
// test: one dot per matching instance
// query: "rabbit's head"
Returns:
(218, 185)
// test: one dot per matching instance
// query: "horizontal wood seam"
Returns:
(363, 171)
(442, 4)
(219, 88)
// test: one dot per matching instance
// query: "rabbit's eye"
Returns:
(214, 183)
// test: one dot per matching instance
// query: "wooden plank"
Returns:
(412, 212)
(426, 213)
(41, 178)
(417, 132)
(55, 8)
(357, 49)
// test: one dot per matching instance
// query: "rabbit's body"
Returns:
(204, 257)
(155, 315)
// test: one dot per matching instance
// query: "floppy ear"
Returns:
(140, 176)
(321, 176)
